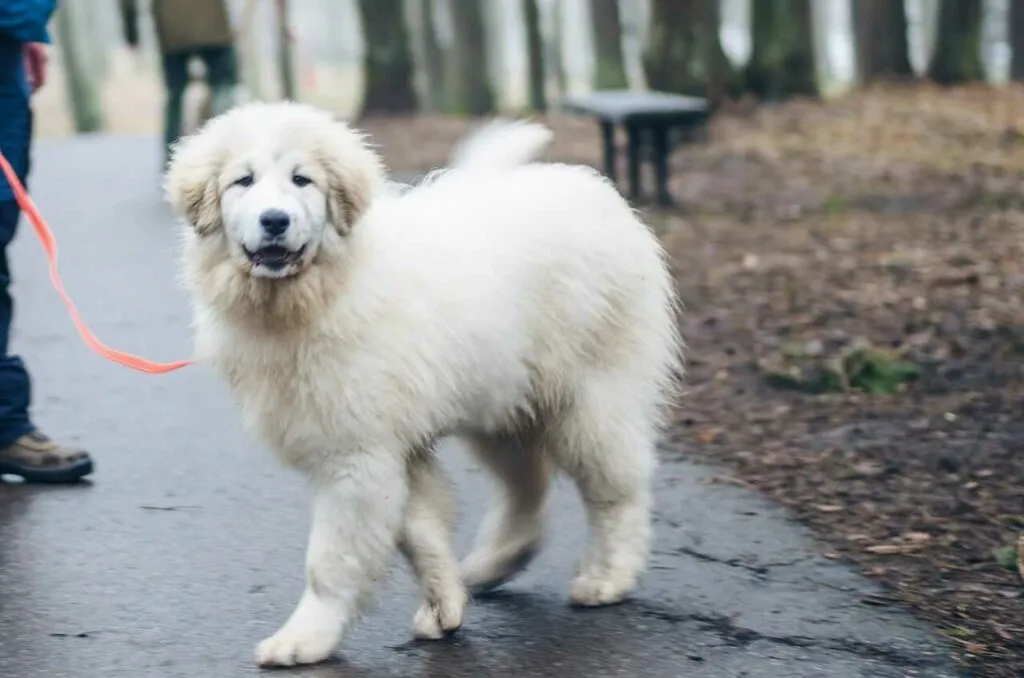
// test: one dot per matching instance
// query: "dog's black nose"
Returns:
(275, 222)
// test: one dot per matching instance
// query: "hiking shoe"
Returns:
(37, 459)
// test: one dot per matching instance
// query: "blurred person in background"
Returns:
(187, 29)
(24, 450)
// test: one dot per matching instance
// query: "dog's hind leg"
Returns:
(426, 541)
(510, 535)
(605, 442)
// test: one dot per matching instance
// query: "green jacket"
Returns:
(182, 25)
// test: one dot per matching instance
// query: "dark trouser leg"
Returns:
(175, 67)
(608, 139)
(15, 385)
(634, 140)
(659, 142)
(222, 75)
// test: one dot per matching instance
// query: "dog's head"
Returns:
(273, 188)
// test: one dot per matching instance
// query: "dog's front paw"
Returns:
(437, 618)
(291, 646)
(595, 591)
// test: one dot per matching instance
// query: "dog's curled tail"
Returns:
(502, 144)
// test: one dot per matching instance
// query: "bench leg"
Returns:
(608, 140)
(659, 138)
(634, 140)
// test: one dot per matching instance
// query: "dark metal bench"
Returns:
(656, 117)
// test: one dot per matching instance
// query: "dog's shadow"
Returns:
(518, 634)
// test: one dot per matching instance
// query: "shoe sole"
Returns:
(34, 474)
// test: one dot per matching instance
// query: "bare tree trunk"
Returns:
(470, 87)
(957, 56)
(684, 53)
(387, 62)
(880, 28)
(782, 59)
(555, 68)
(1017, 40)
(285, 63)
(249, 38)
(535, 55)
(433, 94)
(609, 67)
(83, 90)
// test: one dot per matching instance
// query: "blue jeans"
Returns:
(15, 384)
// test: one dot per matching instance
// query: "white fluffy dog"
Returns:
(520, 306)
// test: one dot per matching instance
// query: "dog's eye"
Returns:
(244, 182)
(300, 180)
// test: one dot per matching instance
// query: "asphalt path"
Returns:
(187, 546)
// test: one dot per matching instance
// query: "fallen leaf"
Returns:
(962, 632)
(1006, 556)
(1020, 556)
(891, 549)
(708, 435)
(917, 537)
(828, 508)
(868, 468)
(728, 480)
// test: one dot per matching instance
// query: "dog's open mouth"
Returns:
(274, 257)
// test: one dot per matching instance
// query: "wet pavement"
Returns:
(187, 547)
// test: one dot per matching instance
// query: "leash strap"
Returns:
(49, 243)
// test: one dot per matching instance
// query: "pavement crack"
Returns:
(761, 570)
(741, 637)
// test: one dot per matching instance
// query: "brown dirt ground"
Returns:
(894, 217)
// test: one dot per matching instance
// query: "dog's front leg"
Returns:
(357, 515)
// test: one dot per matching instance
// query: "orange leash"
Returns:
(49, 243)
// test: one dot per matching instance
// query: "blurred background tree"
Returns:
(478, 57)
(880, 31)
(782, 60)
(467, 64)
(684, 50)
(609, 66)
(387, 59)
(957, 56)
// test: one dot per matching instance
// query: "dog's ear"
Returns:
(191, 183)
(355, 175)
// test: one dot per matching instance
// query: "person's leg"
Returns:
(15, 385)
(175, 68)
(24, 451)
(222, 75)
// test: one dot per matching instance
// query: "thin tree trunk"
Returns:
(285, 62)
(880, 28)
(387, 62)
(609, 67)
(782, 59)
(684, 53)
(957, 56)
(433, 94)
(535, 55)
(554, 62)
(1017, 40)
(83, 90)
(470, 79)
(249, 38)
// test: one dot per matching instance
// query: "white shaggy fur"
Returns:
(522, 307)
